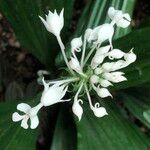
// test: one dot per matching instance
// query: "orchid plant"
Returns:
(83, 77)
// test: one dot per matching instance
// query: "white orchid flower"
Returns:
(53, 94)
(54, 22)
(117, 16)
(30, 113)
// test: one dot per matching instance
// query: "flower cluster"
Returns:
(95, 69)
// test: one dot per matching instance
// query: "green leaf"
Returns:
(138, 106)
(12, 135)
(65, 130)
(112, 132)
(23, 16)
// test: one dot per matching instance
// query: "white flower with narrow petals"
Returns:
(30, 113)
(54, 22)
(53, 94)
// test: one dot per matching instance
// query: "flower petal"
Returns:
(23, 107)
(16, 117)
(24, 123)
(45, 24)
(34, 122)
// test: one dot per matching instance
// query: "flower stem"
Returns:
(63, 81)
(79, 90)
(89, 54)
(83, 52)
(88, 96)
(62, 47)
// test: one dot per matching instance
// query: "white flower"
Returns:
(76, 43)
(77, 109)
(121, 20)
(130, 57)
(115, 77)
(75, 65)
(103, 92)
(53, 94)
(99, 111)
(54, 22)
(30, 113)
(115, 53)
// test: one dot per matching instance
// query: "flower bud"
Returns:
(116, 53)
(77, 109)
(74, 64)
(76, 43)
(99, 111)
(98, 71)
(103, 92)
(94, 79)
(130, 57)
(105, 83)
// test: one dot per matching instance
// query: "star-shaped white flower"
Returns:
(54, 22)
